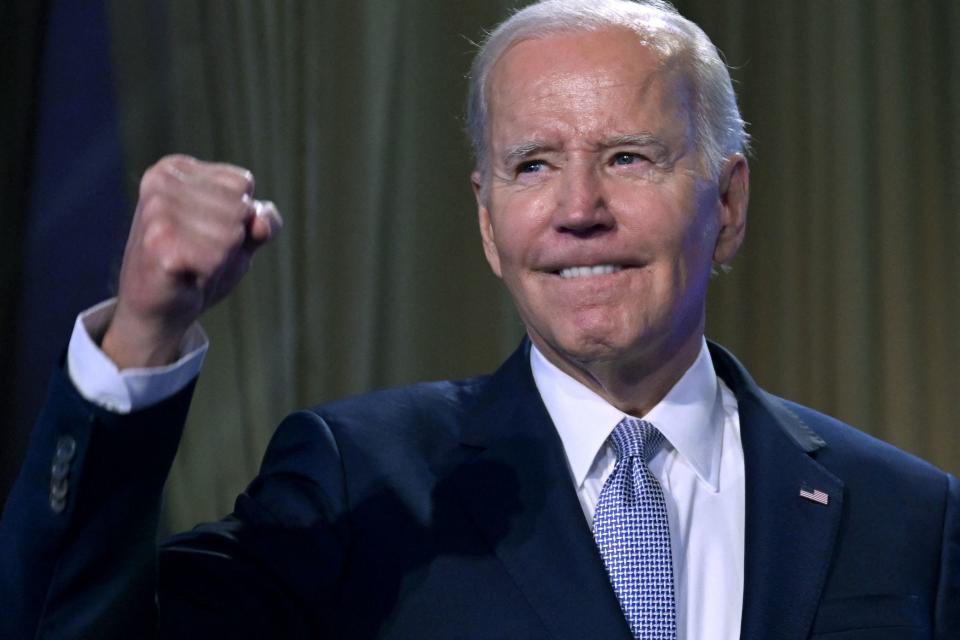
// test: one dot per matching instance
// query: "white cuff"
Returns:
(99, 380)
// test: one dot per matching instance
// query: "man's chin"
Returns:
(581, 350)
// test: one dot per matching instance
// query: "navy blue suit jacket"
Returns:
(446, 510)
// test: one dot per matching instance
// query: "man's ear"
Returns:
(734, 188)
(486, 224)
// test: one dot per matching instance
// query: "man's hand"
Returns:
(194, 232)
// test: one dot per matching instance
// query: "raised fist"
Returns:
(194, 232)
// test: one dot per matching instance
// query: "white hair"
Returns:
(719, 129)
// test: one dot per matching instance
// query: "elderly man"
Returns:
(616, 477)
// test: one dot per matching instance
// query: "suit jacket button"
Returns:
(66, 448)
(59, 470)
(57, 504)
(59, 489)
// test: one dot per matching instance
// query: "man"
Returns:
(610, 180)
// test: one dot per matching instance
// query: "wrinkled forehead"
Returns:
(612, 70)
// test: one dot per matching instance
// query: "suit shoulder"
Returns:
(425, 406)
(847, 445)
(441, 395)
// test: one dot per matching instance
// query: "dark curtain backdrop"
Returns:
(350, 114)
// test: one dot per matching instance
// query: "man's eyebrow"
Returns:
(643, 139)
(527, 148)
(522, 150)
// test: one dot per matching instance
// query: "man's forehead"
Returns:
(582, 84)
(576, 64)
(578, 51)
(563, 84)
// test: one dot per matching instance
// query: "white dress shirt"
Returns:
(701, 472)
(700, 468)
(99, 380)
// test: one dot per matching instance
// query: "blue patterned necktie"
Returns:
(631, 530)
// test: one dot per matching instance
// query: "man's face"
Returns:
(595, 209)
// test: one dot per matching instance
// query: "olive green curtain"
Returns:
(350, 116)
(847, 294)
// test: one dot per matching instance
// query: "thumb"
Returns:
(263, 225)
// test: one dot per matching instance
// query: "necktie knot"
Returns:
(636, 438)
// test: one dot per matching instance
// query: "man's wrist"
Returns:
(101, 381)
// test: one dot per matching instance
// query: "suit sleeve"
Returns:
(78, 533)
(948, 598)
(86, 563)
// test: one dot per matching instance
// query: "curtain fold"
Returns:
(845, 296)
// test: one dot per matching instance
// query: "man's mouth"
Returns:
(583, 272)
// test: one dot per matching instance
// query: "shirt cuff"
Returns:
(99, 380)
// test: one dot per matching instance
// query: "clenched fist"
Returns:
(194, 232)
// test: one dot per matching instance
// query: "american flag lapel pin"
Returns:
(814, 495)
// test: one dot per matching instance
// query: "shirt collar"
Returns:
(690, 416)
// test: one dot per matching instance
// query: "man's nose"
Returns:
(581, 202)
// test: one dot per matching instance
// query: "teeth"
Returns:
(583, 272)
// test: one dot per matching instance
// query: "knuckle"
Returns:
(168, 172)
(178, 159)
(149, 182)
(155, 206)
(159, 238)
(237, 181)
(159, 178)
(248, 180)
(172, 263)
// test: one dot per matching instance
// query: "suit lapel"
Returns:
(519, 492)
(516, 485)
(789, 538)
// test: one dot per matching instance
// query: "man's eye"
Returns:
(626, 158)
(531, 166)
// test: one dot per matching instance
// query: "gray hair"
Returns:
(719, 129)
